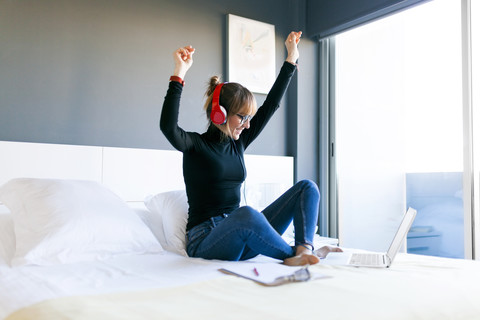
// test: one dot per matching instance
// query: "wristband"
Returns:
(177, 79)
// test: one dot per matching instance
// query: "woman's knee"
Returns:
(310, 186)
(247, 215)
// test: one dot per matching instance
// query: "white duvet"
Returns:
(415, 287)
(25, 285)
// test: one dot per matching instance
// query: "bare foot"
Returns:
(323, 251)
(301, 260)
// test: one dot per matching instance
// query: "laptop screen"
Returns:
(401, 233)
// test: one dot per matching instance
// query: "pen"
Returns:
(256, 272)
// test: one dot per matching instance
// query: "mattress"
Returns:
(415, 287)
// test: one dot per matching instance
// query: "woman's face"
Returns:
(237, 123)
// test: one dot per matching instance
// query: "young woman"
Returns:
(214, 171)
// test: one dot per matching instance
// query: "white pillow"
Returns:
(153, 221)
(172, 208)
(65, 221)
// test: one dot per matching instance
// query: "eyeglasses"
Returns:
(244, 119)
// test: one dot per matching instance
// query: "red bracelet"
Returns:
(177, 79)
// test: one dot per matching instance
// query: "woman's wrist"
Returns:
(177, 79)
(179, 72)
(292, 59)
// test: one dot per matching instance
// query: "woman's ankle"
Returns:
(301, 260)
(302, 248)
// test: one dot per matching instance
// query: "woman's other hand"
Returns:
(183, 60)
(292, 46)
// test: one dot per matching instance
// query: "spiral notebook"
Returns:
(271, 274)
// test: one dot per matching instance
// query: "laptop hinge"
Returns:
(389, 260)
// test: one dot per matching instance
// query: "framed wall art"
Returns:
(251, 53)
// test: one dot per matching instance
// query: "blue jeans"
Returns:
(245, 232)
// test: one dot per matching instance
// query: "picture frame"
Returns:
(251, 53)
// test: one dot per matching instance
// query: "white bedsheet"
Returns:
(22, 286)
(415, 287)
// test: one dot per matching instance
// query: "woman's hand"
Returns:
(183, 60)
(292, 46)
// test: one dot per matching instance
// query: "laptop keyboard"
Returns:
(371, 259)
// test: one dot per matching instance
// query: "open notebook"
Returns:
(374, 259)
(271, 274)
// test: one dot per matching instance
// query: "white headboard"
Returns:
(132, 173)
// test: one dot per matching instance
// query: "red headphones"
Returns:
(218, 114)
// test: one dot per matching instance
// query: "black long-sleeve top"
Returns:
(213, 168)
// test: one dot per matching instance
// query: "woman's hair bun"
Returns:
(214, 81)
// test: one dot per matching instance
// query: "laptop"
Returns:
(374, 259)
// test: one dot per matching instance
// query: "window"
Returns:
(399, 130)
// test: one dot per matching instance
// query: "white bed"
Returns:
(149, 276)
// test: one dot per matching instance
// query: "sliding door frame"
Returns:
(327, 167)
(470, 179)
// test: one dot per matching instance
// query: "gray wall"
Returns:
(95, 72)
